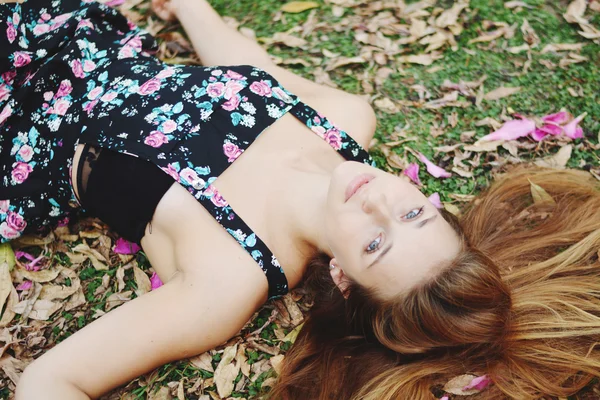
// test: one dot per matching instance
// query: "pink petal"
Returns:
(155, 281)
(412, 171)
(19, 254)
(25, 285)
(557, 118)
(126, 247)
(445, 398)
(552, 129)
(434, 169)
(512, 130)
(572, 129)
(435, 200)
(478, 383)
(538, 134)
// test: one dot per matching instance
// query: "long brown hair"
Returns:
(520, 303)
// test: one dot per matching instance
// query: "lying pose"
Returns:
(238, 179)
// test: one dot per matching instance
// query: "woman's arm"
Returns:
(185, 317)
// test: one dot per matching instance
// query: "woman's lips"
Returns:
(356, 183)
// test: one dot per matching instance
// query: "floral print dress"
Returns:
(79, 72)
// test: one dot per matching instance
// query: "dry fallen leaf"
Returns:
(456, 385)
(422, 59)
(558, 160)
(540, 196)
(562, 47)
(501, 92)
(298, 6)
(5, 283)
(226, 372)
(575, 11)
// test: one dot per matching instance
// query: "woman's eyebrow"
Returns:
(422, 223)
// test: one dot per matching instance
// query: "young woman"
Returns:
(170, 155)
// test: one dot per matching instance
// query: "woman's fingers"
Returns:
(163, 9)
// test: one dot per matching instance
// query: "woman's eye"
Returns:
(414, 213)
(374, 245)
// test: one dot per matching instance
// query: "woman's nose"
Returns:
(375, 203)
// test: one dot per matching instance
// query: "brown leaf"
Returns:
(450, 16)
(162, 394)
(5, 283)
(501, 92)
(286, 39)
(341, 61)
(116, 299)
(385, 104)
(298, 6)
(575, 11)
(456, 385)
(276, 363)
(293, 309)
(45, 275)
(562, 47)
(9, 314)
(142, 281)
(558, 160)
(7, 255)
(242, 360)
(540, 196)
(484, 146)
(422, 59)
(226, 372)
(203, 361)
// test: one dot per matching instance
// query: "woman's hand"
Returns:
(164, 9)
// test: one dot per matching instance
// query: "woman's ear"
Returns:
(339, 278)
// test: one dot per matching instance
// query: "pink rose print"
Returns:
(85, 23)
(60, 107)
(192, 178)
(231, 151)
(90, 106)
(11, 33)
(89, 65)
(8, 232)
(172, 171)
(48, 96)
(40, 29)
(16, 18)
(64, 89)
(156, 139)
(4, 206)
(6, 112)
(46, 16)
(21, 171)
(149, 87)
(231, 104)
(232, 88)
(136, 43)
(110, 96)
(169, 126)
(26, 152)
(333, 137)
(4, 92)
(95, 92)
(216, 72)
(126, 52)
(261, 88)
(77, 69)
(215, 197)
(16, 221)
(282, 95)
(234, 75)
(319, 130)
(21, 59)
(215, 89)
(165, 73)
(9, 76)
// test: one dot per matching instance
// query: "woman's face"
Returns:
(383, 232)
